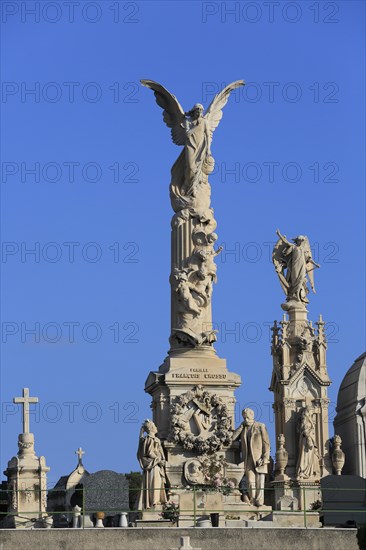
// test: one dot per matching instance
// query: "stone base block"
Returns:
(295, 495)
(22, 522)
(166, 539)
(295, 519)
(161, 523)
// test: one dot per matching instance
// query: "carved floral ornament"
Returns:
(25, 444)
(200, 421)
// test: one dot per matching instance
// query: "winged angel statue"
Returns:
(193, 224)
(294, 266)
(193, 130)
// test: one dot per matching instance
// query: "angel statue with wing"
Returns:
(297, 260)
(193, 224)
(194, 130)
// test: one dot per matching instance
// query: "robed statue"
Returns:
(151, 457)
(294, 266)
(308, 458)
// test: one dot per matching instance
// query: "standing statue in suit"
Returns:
(255, 450)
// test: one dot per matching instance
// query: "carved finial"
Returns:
(321, 332)
(275, 331)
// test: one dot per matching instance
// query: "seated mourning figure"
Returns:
(255, 449)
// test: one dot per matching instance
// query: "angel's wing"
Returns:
(309, 266)
(214, 112)
(280, 263)
(173, 113)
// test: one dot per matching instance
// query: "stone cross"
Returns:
(25, 400)
(80, 454)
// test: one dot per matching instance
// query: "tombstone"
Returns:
(106, 491)
(350, 422)
(344, 500)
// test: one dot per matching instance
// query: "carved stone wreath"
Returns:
(212, 420)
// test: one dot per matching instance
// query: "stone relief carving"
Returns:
(28, 494)
(25, 444)
(14, 495)
(294, 266)
(200, 421)
(193, 472)
(193, 224)
(303, 388)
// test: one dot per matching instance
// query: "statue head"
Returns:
(150, 427)
(196, 111)
(299, 239)
(248, 416)
(306, 412)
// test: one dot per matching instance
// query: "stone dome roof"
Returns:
(353, 386)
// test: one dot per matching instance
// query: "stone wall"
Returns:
(166, 539)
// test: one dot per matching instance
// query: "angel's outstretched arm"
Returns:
(283, 237)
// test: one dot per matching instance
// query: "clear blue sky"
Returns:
(102, 156)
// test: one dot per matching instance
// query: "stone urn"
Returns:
(338, 456)
(281, 456)
(204, 522)
(123, 520)
(99, 517)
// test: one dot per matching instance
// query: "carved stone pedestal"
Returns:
(193, 408)
(199, 505)
(293, 519)
(27, 483)
(295, 495)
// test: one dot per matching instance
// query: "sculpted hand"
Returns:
(260, 461)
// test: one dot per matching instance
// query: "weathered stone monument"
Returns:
(27, 478)
(350, 422)
(67, 492)
(193, 391)
(106, 492)
(299, 382)
(78, 497)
